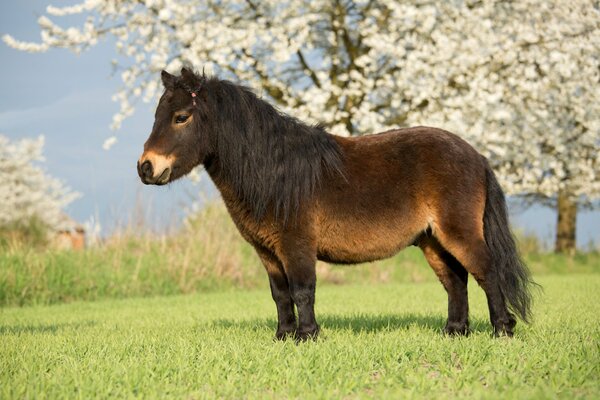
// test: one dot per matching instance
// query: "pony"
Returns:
(298, 194)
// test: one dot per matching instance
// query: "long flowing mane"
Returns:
(270, 158)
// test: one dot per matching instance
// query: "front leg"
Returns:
(303, 294)
(301, 273)
(280, 291)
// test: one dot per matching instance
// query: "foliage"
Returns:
(30, 200)
(377, 342)
(208, 254)
(32, 232)
(518, 79)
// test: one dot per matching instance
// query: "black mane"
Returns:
(270, 158)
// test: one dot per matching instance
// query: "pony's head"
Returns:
(175, 145)
(267, 158)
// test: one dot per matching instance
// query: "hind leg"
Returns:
(454, 278)
(472, 252)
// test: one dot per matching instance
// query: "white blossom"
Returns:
(108, 143)
(517, 79)
(27, 191)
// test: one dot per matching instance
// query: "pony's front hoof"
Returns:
(456, 329)
(303, 335)
(283, 334)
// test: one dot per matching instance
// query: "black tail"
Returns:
(513, 275)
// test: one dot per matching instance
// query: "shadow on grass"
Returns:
(38, 329)
(358, 323)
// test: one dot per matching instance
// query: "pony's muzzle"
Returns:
(154, 169)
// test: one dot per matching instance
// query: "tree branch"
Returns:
(307, 69)
(274, 92)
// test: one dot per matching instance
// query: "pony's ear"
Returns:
(168, 80)
(188, 76)
(191, 80)
(186, 73)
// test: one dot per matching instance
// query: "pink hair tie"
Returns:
(194, 98)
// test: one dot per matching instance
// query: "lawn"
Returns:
(378, 340)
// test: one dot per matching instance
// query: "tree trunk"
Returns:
(567, 223)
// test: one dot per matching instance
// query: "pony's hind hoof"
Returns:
(499, 333)
(505, 328)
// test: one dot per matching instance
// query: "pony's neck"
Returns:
(212, 166)
(270, 161)
(214, 169)
(224, 185)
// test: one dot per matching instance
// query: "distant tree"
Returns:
(519, 79)
(27, 192)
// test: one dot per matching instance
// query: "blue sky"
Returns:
(67, 98)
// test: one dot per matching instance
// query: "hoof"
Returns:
(503, 332)
(307, 334)
(456, 329)
(283, 334)
(505, 328)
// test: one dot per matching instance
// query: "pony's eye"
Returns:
(180, 119)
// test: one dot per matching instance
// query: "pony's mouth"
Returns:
(163, 179)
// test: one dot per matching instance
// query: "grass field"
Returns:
(377, 341)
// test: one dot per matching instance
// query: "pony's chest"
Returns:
(258, 233)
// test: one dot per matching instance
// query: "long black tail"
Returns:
(513, 275)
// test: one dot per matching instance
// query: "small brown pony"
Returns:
(299, 194)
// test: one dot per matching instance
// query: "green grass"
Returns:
(380, 341)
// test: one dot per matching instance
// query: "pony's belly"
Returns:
(364, 245)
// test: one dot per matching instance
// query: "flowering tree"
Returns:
(517, 79)
(529, 99)
(27, 191)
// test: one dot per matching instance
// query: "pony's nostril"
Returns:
(147, 169)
